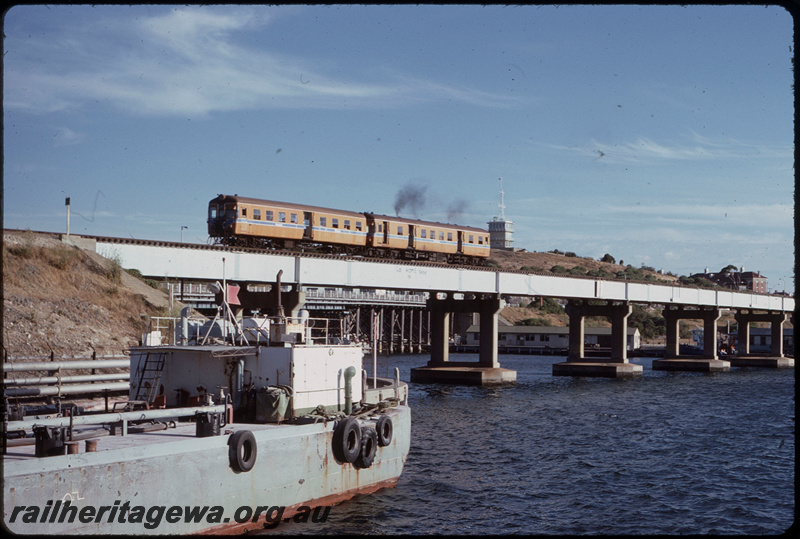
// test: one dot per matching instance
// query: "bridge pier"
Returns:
(616, 366)
(487, 370)
(776, 358)
(708, 361)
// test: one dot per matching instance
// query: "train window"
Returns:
(433, 234)
(212, 212)
(244, 212)
(293, 218)
(257, 215)
(449, 236)
(282, 216)
(358, 225)
(380, 228)
(270, 216)
(441, 236)
(470, 239)
(347, 224)
(399, 230)
(334, 222)
(323, 221)
(480, 240)
(423, 234)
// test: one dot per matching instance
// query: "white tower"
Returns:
(501, 231)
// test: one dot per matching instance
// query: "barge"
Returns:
(246, 424)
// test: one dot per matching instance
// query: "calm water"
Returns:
(668, 453)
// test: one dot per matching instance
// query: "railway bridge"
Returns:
(475, 290)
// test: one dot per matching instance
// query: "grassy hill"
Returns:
(59, 298)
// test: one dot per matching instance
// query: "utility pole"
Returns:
(67, 204)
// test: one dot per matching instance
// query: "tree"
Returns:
(608, 258)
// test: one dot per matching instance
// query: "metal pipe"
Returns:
(43, 380)
(98, 419)
(349, 373)
(65, 390)
(54, 365)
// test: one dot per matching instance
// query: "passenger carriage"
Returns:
(251, 222)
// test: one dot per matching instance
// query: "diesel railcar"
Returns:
(252, 222)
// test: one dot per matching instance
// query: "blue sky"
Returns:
(662, 135)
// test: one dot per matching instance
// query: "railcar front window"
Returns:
(212, 213)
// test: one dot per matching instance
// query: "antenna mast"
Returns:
(502, 202)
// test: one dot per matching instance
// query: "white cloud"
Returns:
(188, 62)
(644, 151)
(67, 137)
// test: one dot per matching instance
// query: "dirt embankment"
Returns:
(62, 299)
(535, 261)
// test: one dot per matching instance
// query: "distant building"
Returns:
(501, 230)
(738, 280)
(532, 339)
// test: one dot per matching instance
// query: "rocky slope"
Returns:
(61, 299)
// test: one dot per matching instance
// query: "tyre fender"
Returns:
(347, 440)
(369, 446)
(242, 450)
(384, 430)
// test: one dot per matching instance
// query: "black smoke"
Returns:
(456, 209)
(411, 196)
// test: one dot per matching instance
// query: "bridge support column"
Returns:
(487, 370)
(708, 361)
(744, 357)
(615, 366)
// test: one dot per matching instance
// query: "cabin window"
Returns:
(334, 222)
(480, 240)
(269, 216)
(358, 225)
(449, 236)
(282, 216)
(380, 228)
(293, 218)
(257, 215)
(347, 224)
(441, 236)
(323, 221)
(399, 230)
(212, 212)
(433, 234)
(471, 239)
(244, 212)
(423, 234)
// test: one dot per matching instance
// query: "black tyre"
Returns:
(242, 450)
(385, 429)
(347, 440)
(369, 446)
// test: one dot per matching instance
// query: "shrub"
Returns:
(534, 322)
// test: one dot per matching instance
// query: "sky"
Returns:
(662, 135)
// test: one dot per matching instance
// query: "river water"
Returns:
(665, 453)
